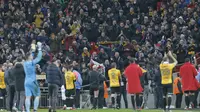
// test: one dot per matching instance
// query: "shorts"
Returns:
(167, 89)
(32, 89)
(92, 89)
(70, 92)
(187, 92)
(115, 90)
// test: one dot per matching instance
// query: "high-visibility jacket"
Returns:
(2, 82)
(177, 86)
(105, 90)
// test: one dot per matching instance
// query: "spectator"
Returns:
(118, 60)
(103, 37)
(38, 18)
(85, 55)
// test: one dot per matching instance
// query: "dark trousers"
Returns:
(20, 99)
(158, 97)
(179, 100)
(104, 102)
(124, 95)
(10, 99)
(53, 93)
(101, 97)
(2, 98)
(77, 98)
(93, 100)
(196, 96)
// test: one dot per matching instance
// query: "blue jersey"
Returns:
(29, 68)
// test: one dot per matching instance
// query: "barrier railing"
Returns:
(84, 99)
(44, 99)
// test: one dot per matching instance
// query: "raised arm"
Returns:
(174, 60)
(38, 58)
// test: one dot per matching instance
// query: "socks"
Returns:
(95, 103)
(113, 101)
(1, 104)
(169, 102)
(192, 98)
(141, 100)
(118, 100)
(27, 103)
(91, 99)
(36, 103)
(68, 102)
(164, 103)
(133, 101)
(187, 101)
(137, 101)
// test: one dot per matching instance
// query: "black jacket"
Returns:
(19, 77)
(94, 80)
(10, 77)
(54, 75)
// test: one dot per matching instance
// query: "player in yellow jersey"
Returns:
(166, 69)
(2, 88)
(70, 79)
(115, 77)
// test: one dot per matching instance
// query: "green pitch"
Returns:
(121, 110)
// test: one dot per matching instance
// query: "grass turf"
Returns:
(121, 110)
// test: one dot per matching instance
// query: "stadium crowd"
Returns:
(97, 32)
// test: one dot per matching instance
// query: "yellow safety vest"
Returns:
(2, 82)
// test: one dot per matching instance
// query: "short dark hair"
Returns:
(132, 60)
(19, 59)
(54, 59)
(178, 75)
(113, 65)
(165, 59)
(187, 59)
(68, 66)
(28, 54)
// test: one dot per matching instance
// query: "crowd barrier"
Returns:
(44, 100)
(84, 99)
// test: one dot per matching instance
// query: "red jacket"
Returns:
(133, 73)
(188, 73)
